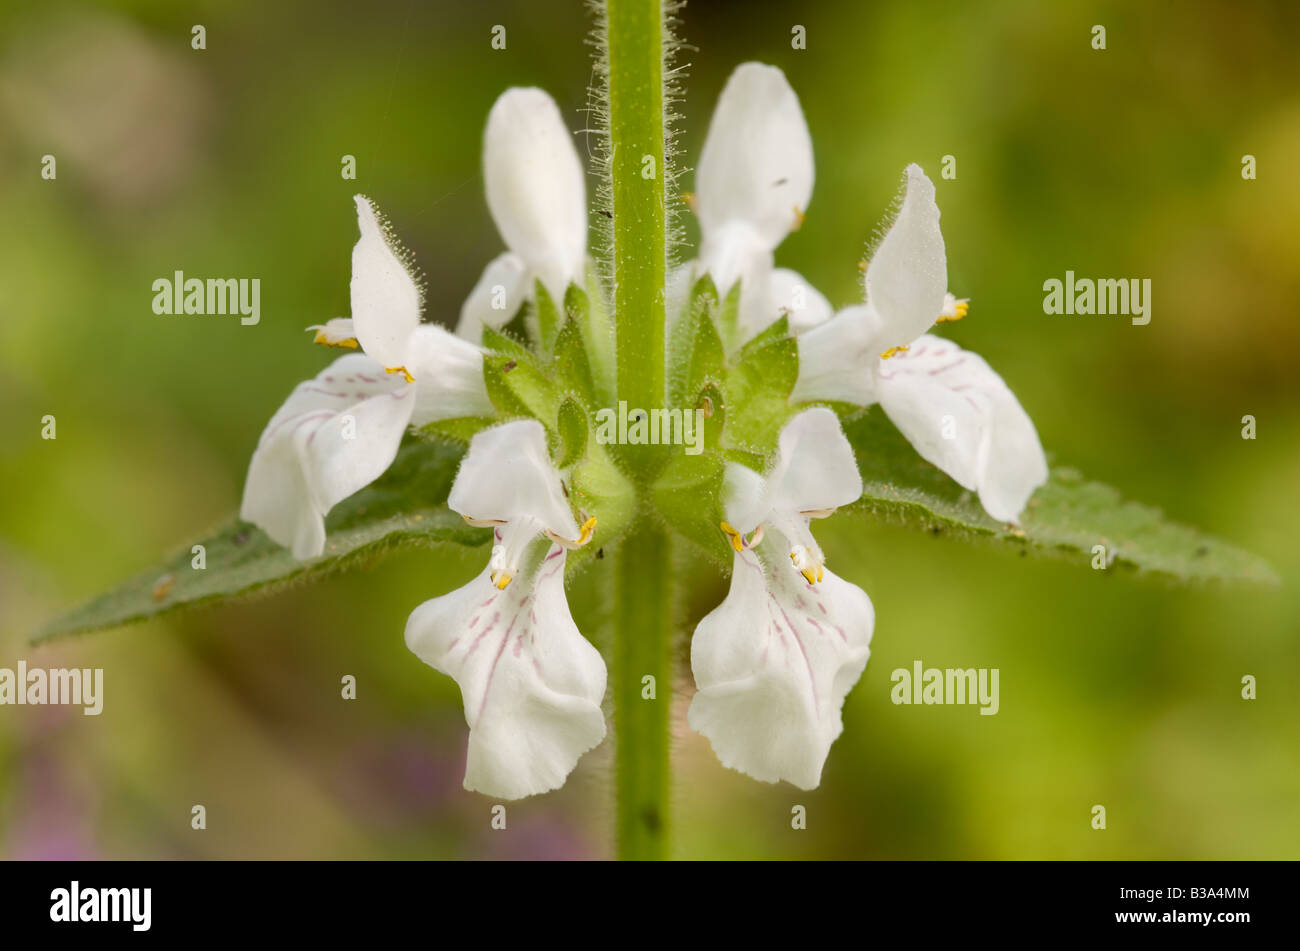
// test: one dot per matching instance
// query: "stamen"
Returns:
(757, 537)
(585, 532)
(798, 218)
(808, 567)
(501, 579)
(953, 309)
(347, 343)
(402, 370)
(818, 513)
(891, 352)
(737, 539)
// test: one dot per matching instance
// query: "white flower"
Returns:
(537, 193)
(952, 407)
(530, 682)
(753, 185)
(339, 432)
(774, 662)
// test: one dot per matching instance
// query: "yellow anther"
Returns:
(586, 531)
(957, 311)
(737, 540)
(501, 579)
(798, 218)
(409, 379)
(891, 352)
(347, 343)
(810, 568)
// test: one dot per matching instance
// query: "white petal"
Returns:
(747, 501)
(803, 304)
(814, 470)
(448, 373)
(530, 682)
(385, 298)
(511, 542)
(508, 474)
(815, 466)
(773, 664)
(836, 358)
(334, 435)
(960, 416)
(536, 188)
(500, 292)
(338, 332)
(757, 163)
(734, 252)
(1015, 465)
(908, 275)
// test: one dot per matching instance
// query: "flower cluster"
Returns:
(775, 660)
(755, 180)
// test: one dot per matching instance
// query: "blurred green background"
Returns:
(1117, 163)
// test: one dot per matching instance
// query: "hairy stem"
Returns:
(643, 628)
(634, 34)
(635, 60)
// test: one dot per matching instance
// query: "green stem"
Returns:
(635, 39)
(642, 639)
(635, 34)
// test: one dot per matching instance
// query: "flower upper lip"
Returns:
(753, 185)
(536, 192)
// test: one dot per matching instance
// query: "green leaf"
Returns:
(758, 388)
(713, 407)
(495, 369)
(1066, 517)
(728, 318)
(572, 428)
(404, 507)
(547, 317)
(597, 485)
(572, 368)
(687, 494)
(589, 309)
(461, 429)
(775, 332)
(500, 342)
(517, 386)
(697, 355)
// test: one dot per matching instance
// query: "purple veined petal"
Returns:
(334, 435)
(530, 682)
